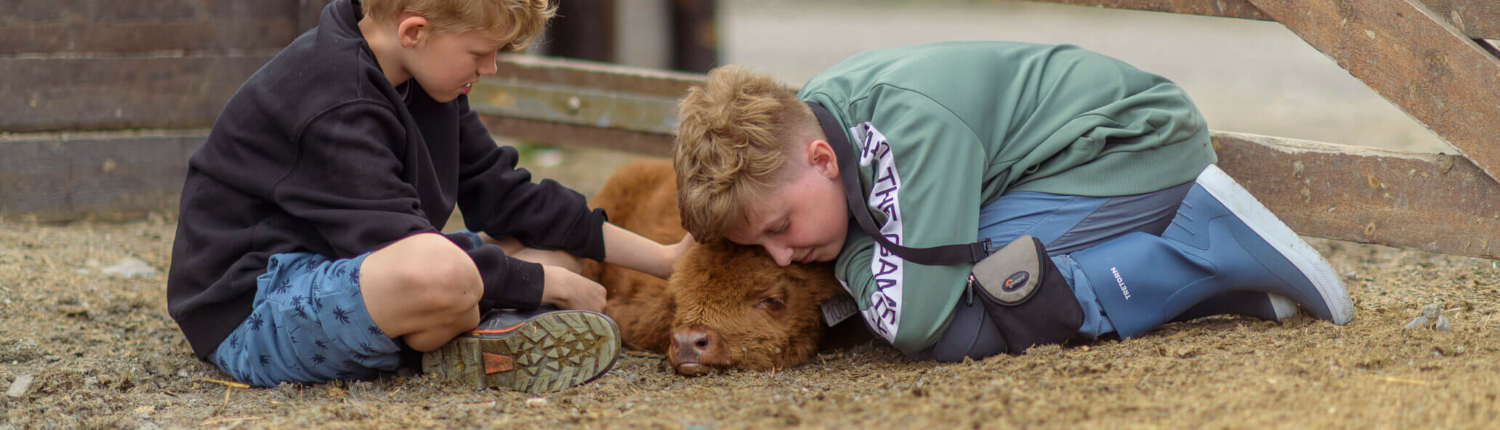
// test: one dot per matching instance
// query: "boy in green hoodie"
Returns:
(1088, 176)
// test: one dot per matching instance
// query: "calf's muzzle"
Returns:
(696, 349)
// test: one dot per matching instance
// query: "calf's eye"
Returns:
(770, 303)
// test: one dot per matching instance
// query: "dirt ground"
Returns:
(102, 353)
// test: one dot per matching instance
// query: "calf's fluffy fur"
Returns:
(756, 315)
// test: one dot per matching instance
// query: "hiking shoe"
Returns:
(534, 353)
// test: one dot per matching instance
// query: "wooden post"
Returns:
(583, 29)
(695, 35)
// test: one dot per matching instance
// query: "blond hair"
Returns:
(514, 21)
(736, 131)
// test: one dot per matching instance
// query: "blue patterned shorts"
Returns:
(308, 325)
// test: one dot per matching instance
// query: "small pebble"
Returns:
(182, 373)
(1418, 322)
(536, 402)
(20, 386)
(1442, 324)
(1432, 311)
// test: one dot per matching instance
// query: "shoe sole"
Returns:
(1264, 223)
(551, 352)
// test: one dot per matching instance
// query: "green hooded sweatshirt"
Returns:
(943, 129)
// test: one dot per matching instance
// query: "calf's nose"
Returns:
(695, 347)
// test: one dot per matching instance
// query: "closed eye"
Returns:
(782, 229)
(771, 304)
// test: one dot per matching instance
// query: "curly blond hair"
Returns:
(736, 131)
(513, 21)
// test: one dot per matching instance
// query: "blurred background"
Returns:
(103, 100)
(1246, 76)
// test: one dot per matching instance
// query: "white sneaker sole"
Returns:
(1282, 238)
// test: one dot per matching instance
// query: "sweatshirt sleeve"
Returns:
(501, 200)
(347, 184)
(926, 169)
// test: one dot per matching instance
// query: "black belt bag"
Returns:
(1025, 295)
(1019, 286)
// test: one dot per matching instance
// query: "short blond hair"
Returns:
(736, 131)
(513, 21)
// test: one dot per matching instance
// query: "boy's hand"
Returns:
(632, 251)
(568, 290)
(674, 253)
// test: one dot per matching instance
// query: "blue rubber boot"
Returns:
(1222, 240)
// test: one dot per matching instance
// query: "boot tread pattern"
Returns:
(550, 353)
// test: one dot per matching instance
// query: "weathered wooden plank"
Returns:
(1432, 202)
(523, 69)
(575, 105)
(581, 103)
(125, 37)
(1222, 8)
(562, 134)
(60, 177)
(138, 10)
(110, 92)
(46, 26)
(1478, 19)
(1400, 49)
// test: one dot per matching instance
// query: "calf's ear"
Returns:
(818, 280)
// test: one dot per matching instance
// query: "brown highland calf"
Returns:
(726, 307)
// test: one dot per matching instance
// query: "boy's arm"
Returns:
(927, 170)
(347, 184)
(501, 200)
(633, 251)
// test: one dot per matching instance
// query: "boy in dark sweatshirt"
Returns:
(308, 244)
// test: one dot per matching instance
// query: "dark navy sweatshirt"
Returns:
(317, 152)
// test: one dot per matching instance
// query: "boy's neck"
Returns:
(387, 48)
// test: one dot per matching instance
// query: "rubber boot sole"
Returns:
(1282, 238)
(551, 352)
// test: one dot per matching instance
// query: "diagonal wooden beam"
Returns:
(1411, 57)
(1477, 19)
(1222, 8)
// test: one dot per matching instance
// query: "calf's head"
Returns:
(735, 308)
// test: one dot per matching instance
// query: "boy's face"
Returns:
(447, 65)
(803, 220)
